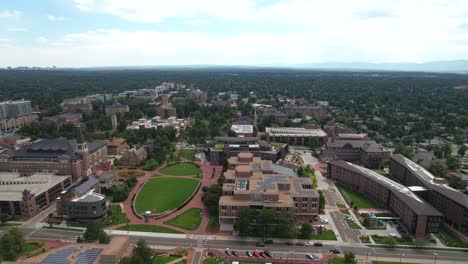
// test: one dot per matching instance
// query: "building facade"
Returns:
(15, 114)
(418, 216)
(251, 182)
(366, 152)
(27, 195)
(116, 109)
(61, 119)
(453, 204)
(61, 156)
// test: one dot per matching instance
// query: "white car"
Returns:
(310, 256)
(392, 235)
(349, 218)
(309, 243)
(324, 221)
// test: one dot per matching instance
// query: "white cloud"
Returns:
(151, 11)
(196, 22)
(42, 39)
(9, 13)
(55, 18)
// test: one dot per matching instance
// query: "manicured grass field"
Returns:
(391, 262)
(357, 199)
(325, 235)
(148, 228)
(337, 261)
(163, 194)
(346, 212)
(189, 220)
(353, 225)
(182, 169)
(29, 247)
(163, 259)
(188, 154)
(212, 260)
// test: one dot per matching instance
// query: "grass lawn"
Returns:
(212, 260)
(189, 220)
(353, 225)
(116, 217)
(337, 261)
(148, 228)
(163, 259)
(163, 194)
(450, 240)
(325, 235)
(188, 154)
(346, 212)
(29, 247)
(356, 198)
(182, 169)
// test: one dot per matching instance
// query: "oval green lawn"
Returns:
(163, 194)
(182, 169)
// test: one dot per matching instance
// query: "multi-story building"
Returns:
(418, 216)
(78, 104)
(15, 114)
(333, 129)
(197, 95)
(273, 114)
(225, 147)
(451, 203)
(166, 110)
(82, 202)
(134, 157)
(78, 157)
(316, 111)
(116, 108)
(242, 130)
(27, 195)
(366, 152)
(63, 118)
(251, 182)
(116, 146)
(295, 135)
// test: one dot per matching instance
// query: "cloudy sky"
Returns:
(76, 33)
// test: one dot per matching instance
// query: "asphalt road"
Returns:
(279, 250)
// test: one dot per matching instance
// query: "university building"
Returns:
(251, 182)
(61, 156)
(418, 216)
(451, 203)
(366, 152)
(15, 114)
(295, 135)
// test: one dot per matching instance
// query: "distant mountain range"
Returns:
(454, 66)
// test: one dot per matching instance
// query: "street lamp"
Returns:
(435, 257)
(367, 256)
(401, 256)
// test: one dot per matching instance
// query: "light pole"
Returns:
(435, 257)
(367, 256)
(401, 256)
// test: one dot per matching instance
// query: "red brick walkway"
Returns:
(196, 201)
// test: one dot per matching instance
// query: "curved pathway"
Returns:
(195, 202)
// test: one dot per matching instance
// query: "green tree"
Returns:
(286, 226)
(447, 150)
(420, 241)
(389, 241)
(461, 150)
(306, 231)
(438, 168)
(404, 150)
(349, 257)
(264, 222)
(4, 218)
(143, 251)
(321, 200)
(242, 224)
(453, 163)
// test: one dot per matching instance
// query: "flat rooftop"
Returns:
(295, 131)
(13, 184)
(242, 129)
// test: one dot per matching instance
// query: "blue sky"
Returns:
(77, 33)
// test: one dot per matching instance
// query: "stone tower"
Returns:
(114, 122)
(28, 204)
(82, 149)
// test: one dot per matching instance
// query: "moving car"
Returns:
(289, 243)
(310, 256)
(227, 252)
(349, 218)
(392, 235)
(335, 251)
(300, 243)
(318, 244)
(269, 242)
(309, 243)
(260, 244)
(324, 221)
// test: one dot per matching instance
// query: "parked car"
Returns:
(392, 235)
(309, 243)
(289, 243)
(268, 254)
(300, 243)
(256, 254)
(335, 251)
(349, 218)
(324, 221)
(310, 256)
(318, 244)
(227, 252)
(260, 244)
(235, 253)
(249, 254)
(269, 242)
(262, 254)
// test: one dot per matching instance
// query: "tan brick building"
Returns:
(255, 183)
